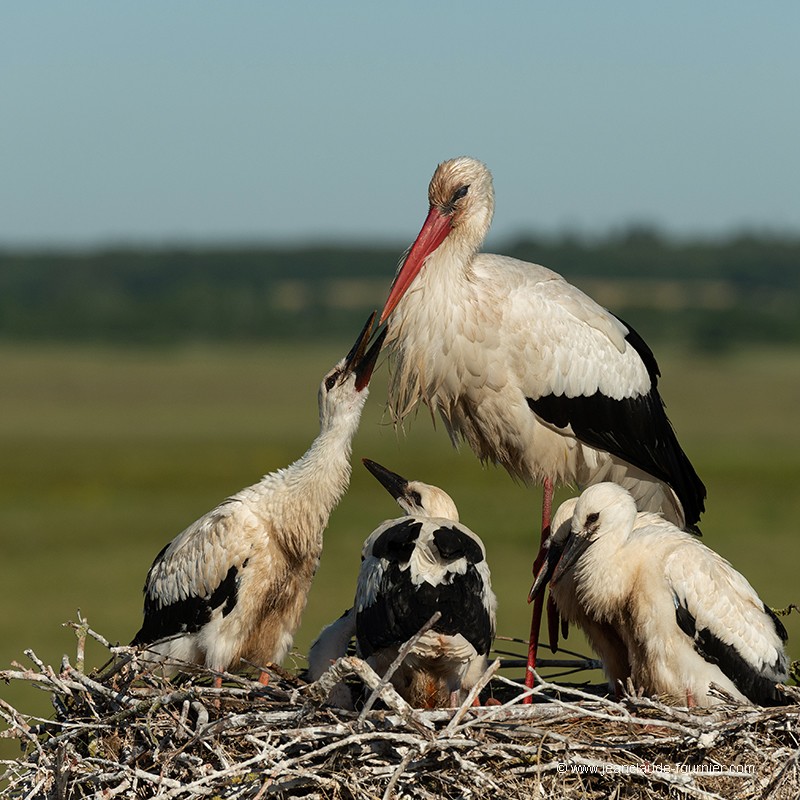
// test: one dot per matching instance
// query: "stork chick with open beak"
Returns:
(233, 585)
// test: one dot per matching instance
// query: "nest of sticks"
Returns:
(125, 731)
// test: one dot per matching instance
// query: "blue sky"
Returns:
(293, 122)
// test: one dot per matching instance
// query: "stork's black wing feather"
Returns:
(780, 628)
(189, 614)
(401, 609)
(397, 542)
(747, 677)
(452, 543)
(635, 429)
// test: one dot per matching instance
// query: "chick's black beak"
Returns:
(393, 483)
(358, 349)
(360, 360)
(364, 367)
(574, 548)
(546, 571)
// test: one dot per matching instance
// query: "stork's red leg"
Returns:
(536, 619)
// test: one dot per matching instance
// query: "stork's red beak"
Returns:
(360, 360)
(434, 232)
(393, 483)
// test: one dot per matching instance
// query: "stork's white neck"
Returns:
(298, 500)
(324, 469)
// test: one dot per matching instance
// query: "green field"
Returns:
(108, 453)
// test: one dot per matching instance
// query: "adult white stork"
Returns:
(411, 568)
(686, 617)
(526, 368)
(233, 585)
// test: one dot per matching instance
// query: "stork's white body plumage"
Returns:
(234, 584)
(525, 367)
(411, 568)
(686, 617)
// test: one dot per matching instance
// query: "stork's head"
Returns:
(343, 390)
(414, 497)
(604, 511)
(461, 205)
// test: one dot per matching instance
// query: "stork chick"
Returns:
(411, 568)
(233, 585)
(686, 617)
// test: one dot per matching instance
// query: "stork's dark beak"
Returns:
(360, 360)
(564, 549)
(574, 548)
(358, 349)
(547, 569)
(393, 483)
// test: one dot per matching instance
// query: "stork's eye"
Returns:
(416, 498)
(330, 381)
(459, 193)
(592, 518)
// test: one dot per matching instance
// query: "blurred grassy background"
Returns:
(109, 452)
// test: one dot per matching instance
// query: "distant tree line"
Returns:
(711, 294)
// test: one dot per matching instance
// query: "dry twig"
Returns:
(129, 733)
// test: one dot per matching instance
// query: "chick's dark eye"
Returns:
(459, 193)
(592, 518)
(330, 381)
